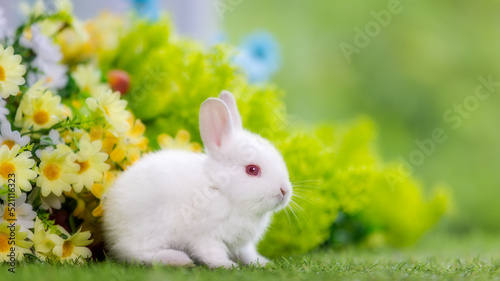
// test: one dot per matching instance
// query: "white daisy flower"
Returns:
(53, 75)
(43, 46)
(4, 111)
(52, 201)
(54, 138)
(48, 56)
(24, 214)
(11, 138)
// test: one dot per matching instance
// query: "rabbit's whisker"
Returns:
(310, 186)
(306, 197)
(298, 207)
(306, 181)
(294, 232)
(299, 210)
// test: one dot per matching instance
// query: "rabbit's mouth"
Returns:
(283, 198)
(282, 203)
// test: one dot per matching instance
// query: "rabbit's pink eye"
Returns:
(253, 170)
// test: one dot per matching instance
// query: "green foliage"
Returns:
(400, 211)
(48, 224)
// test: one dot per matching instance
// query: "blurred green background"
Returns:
(426, 60)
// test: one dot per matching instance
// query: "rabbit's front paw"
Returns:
(213, 254)
(248, 255)
(172, 257)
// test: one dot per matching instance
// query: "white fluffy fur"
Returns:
(173, 207)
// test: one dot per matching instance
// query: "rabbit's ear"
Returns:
(228, 98)
(215, 123)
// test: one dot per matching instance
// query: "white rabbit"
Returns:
(173, 206)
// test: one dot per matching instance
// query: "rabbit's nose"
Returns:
(283, 192)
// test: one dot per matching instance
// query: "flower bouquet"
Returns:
(65, 135)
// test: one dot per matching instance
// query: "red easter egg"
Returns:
(119, 80)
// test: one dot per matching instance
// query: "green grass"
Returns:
(474, 257)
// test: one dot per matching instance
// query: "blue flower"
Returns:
(149, 9)
(259, 56)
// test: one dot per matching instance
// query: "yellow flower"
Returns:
(20, 165)
(36, 90)
(57, 171)
(91, 162)
(73, 248)
(96, 132)
(11, 72)
(39, 111)
(104, 31)
(74, 47)
(88, 79)
(113, 109)
(181, 141)
(21, 246)
(128, 148)
(41, 243)
(99, 189)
